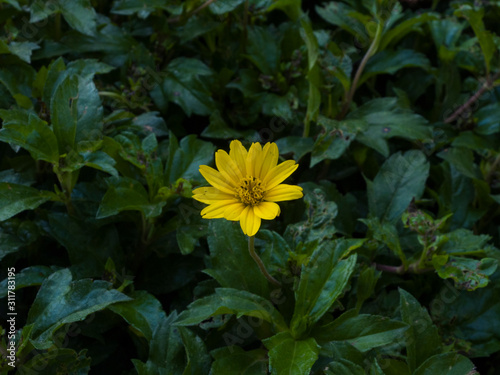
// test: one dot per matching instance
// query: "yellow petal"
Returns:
(253, 157)
(250, 223)
(267, 161)
(284, 192)
(267, 210)
(228, 168)
(233, 211)
(216, 210)
(210, 195)
(215, 179)
(239, 154)
(279, 174)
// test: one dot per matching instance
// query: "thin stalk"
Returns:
(361, 67)
(488, 85)
(253, 254)
(400, 270)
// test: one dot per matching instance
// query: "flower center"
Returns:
(250, 191)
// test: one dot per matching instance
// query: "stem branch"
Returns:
(361, 67)
(486, 86)
(253, 254)
(400, 270)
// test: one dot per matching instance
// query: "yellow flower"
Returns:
(247, 185)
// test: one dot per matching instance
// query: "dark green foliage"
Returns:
(387, 266)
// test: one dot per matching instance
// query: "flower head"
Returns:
(247, 185)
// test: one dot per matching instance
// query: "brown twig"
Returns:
(199, 9)
(486, 86)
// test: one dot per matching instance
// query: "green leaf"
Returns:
(27, 130)
(290, 356)
(276, 106)
(195, 27)
(224, 6)
(184, 86)
(198, 360)
(234, 360)
(143, 8)
(400, 179)
(344, 367)
(17, 198)
(61, 300)
(388, 235)
(367, 281)
(79, 14)
(408, 25)
(144, 312)
(364, 331)
(475, 18)
(299, 146)
(17, 77)
(463, 242)
(421, 331)
(14, 3)
(321, 212)
(468, 274)
(90, 113)
(456, 194)
(231, 264)
(218, 129)
(53, 77)
(446, 32)
(9, 244)
(335, 138)
(40, 10)
(390, 62)
(345, 17)
(263, 49)
(186, 157)
(322, 281)
(487, 119)
(292, 8)
(387, 119)
(276, 251)
(231, 301)
(125, 194)
(29, 276)
(166, 354)
(101, 161)
(64, 113)
(462, 159)
(469, 317)
(446, 364)
(395, 367)
(23, 50)
(188, 236)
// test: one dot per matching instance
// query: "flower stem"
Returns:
(253, 254)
